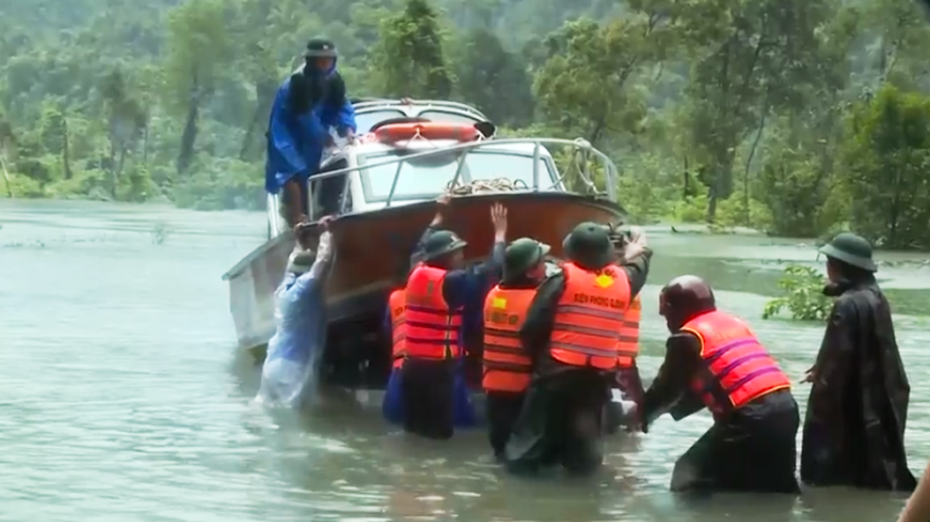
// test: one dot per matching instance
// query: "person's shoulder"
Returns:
(295, 79)
(683, 340)
(853, 300)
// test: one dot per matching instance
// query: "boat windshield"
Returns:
(366, 120)
(450, 117)
(425, 178)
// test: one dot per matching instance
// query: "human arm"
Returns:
(917, 508)
(834, 359)
(673, 382)
(419, 251)
(636, 260)
(323, 263)
(537, 328)
(472, 283)
(339, 113)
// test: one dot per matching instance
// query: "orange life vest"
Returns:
(432, 327)
(507, 367)
(628, 348)
(396, 304)
(738, 368)
(589, 316)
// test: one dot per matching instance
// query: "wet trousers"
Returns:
(434, 398)
(392, 408)
(749, 451)
(560, 423)
(502, 409)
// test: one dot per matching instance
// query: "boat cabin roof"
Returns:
(370, 113)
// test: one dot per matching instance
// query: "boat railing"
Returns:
(579, 167)
(579, 162)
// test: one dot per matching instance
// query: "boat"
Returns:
(388, 183)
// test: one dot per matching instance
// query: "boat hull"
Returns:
(373, 253)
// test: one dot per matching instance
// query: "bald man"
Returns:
(714, 360)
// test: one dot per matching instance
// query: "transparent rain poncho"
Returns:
(292, 364)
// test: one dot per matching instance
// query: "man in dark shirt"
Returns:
(426, 383)
(751, 448)
(857, 411)
(563, 396)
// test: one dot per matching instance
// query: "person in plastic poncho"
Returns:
(307, 105)
(295, 351)
(857, 410)
(714, 360)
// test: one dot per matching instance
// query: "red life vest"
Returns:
(738, 368)
(396, 304)
(589, 317)
(432, 327)
(507, 367)
(628, 348)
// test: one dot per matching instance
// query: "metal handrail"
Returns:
(610, 170)
(274, 224)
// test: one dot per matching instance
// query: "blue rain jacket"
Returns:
(294, 352)
(295, 143)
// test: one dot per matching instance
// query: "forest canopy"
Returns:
(796, 117)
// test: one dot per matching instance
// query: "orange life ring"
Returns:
(432, 130)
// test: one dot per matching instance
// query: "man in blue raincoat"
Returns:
(308, 104)
(295, 351)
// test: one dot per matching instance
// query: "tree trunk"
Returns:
(264, 97)
(65, 151)
(188, 137)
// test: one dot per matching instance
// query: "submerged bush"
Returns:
(803, 297)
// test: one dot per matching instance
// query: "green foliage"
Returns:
(804, 299)
(795, 117)
(886, 157)
(409, 56)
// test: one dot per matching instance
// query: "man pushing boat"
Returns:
(714, 360)
(438, 292)
(295, 351)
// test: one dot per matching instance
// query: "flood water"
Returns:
(121, 398)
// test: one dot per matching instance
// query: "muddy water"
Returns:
(120, 398)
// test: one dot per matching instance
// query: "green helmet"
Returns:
(521, 255)
(321, 48)
(851, 249)
(589, 246)
(442, 242)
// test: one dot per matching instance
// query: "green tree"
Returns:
(583, 87)
(493, 79)
(886, 158)
(200, 50)
(750, 57)
(409, 58)
(127, 120)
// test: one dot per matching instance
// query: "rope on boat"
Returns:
(483, 186)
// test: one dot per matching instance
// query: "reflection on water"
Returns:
(120, 398)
